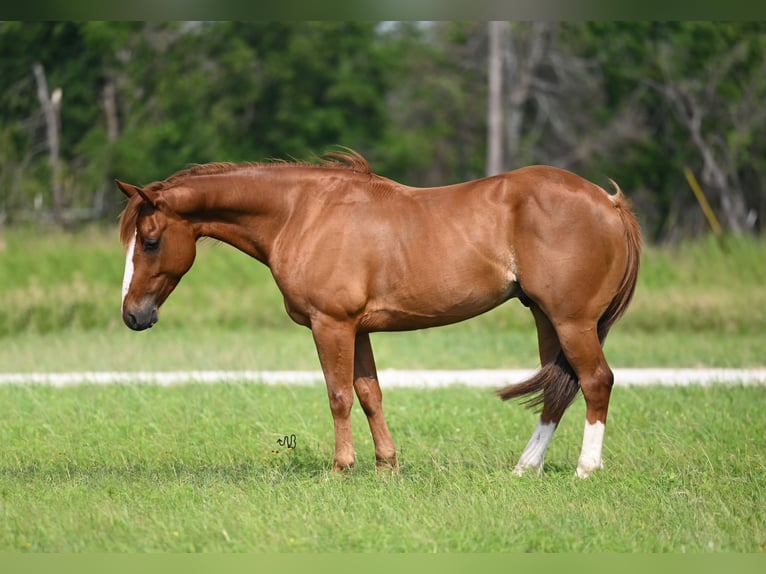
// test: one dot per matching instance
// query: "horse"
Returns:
(353, 253)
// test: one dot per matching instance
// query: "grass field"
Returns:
(192, 469)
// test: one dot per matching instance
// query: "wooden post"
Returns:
(702, 200)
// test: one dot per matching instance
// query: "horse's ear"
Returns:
(131, 190)
(126, 188)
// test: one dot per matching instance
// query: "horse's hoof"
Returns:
(520, 470)
(387, 465)
(585, 470)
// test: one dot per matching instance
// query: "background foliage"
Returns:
(635, 101)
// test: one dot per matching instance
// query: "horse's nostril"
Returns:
(132, 321)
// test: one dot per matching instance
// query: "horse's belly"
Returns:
(412, 308)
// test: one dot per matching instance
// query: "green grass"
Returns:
(293, 349)
(696, 305)
(191, 469)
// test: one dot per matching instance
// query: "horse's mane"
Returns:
(342, 159)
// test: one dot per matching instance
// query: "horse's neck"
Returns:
(245, 210)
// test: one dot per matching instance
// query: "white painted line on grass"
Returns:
(493, 378)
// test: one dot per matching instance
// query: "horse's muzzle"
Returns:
(140, 318)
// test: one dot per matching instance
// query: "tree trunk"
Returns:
(101, 202)
(51, 105)
(520, 75)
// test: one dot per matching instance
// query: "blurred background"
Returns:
(428, 103)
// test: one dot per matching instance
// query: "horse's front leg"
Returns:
(367, 389)
(335, 345)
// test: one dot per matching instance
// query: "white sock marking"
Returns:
(534, 454)
(592, 445)
(128, 276)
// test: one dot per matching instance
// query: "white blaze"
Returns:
(128, 276)
(592, 445)
(534, 454)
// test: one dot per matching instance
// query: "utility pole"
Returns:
(497, 34)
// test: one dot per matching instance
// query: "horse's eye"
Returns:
(151, 244)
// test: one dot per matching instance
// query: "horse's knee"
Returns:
(341, 403)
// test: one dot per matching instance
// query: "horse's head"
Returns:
(161, 249)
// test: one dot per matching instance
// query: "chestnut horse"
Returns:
(354, 253)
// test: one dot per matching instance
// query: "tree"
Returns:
(720, 116)
(436, 132)
(635, 101)
(699, 86)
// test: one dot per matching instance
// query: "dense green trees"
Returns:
(635, 101)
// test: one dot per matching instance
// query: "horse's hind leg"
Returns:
(571, 358)
(370, 396)
(582, 348)
(549, 348)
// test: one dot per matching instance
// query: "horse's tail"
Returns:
(556, 384)
(624, 294)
